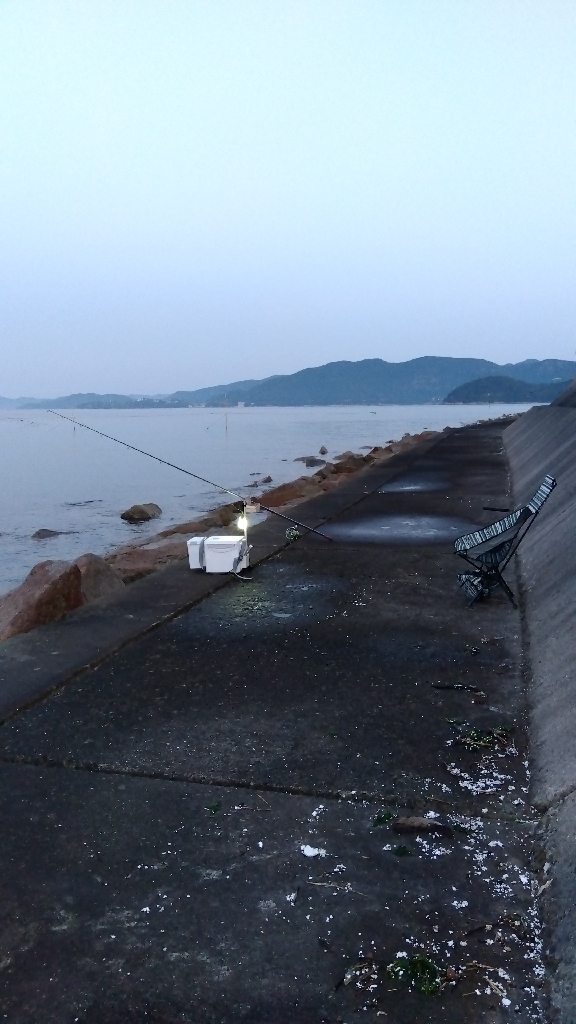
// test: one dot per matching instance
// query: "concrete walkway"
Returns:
(204, 827)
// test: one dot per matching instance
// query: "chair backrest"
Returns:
(494, 543)
(493, 534)
(546, 487)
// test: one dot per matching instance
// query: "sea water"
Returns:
(61, 477)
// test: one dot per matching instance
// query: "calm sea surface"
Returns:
(61, 477)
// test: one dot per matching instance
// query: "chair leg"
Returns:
(507, 590)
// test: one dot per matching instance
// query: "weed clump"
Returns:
(419, 972)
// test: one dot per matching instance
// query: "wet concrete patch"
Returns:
(278, 596)
(416, 482)
(399, 529)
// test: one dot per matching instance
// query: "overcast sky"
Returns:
(195, 192)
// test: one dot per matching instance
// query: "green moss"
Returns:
(383, 818)
(419, 972)
(402, 851)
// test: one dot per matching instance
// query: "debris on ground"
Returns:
(459, 686)
(416, 824)
(363, 974)
(481, 739)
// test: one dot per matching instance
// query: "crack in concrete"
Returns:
(355, 795)
(352, 795)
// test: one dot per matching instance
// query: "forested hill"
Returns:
(504, 389)
(366, 382)
(374, 381)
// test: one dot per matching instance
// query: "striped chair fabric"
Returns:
(493, 546)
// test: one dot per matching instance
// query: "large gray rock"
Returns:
(49, 592)
(141, 513)
(98, 578)
(309, 460)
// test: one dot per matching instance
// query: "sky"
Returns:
(194, 192)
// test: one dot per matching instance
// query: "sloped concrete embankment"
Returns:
(544, 441)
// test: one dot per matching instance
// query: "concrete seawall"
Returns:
(544, 441)
(284, 800)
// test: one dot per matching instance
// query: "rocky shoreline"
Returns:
(54, 588)
(132, 561)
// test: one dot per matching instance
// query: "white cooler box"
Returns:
(225, 554)
(196, 552)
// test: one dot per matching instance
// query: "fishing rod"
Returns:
(188, 472)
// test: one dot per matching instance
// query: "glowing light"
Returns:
(242, 522)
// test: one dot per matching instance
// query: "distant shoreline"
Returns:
(427, 380)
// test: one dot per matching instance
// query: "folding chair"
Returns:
(488, 551)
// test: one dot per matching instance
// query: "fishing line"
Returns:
(188, 472)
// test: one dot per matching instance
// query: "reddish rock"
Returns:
(327, 471)
(303, 487)
(222, 516)
(194, 526)
(350, 464)
(132, 562)
(49, 591)
(98, 578)
(407, 442)
(417, 824)
(379, 453)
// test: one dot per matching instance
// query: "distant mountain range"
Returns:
(504, 389)
(90, 400)
(429, 379)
